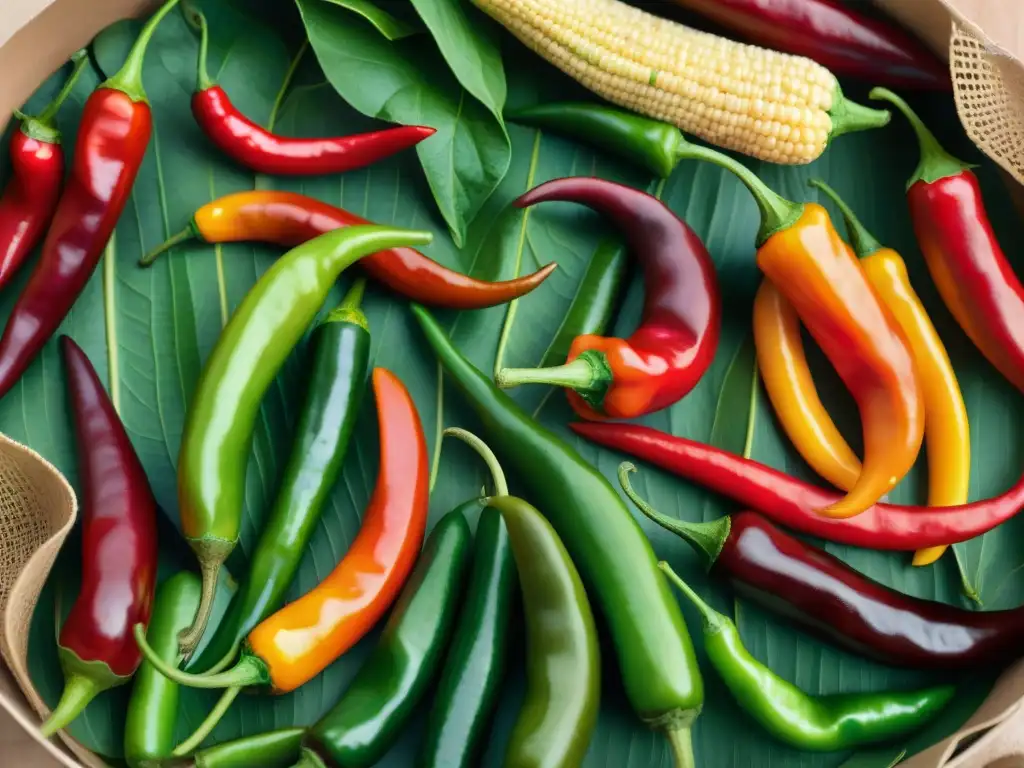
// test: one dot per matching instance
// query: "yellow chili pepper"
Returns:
(795, 399)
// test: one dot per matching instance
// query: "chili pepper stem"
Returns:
(681, 740)
(713, 620)
(348, 310)
(250, 670)
(863, 242)
(309, 759)
(211, 554)
(79, 690)
(707, 538)
(589, 375)
(777, 213)
(189, 233)
(848, 116)
(128, 79)
(198, 736)
(41, 127)
(197, 21)
(485, 453)
(935, 163)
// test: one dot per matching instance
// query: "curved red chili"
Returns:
(678, 335)
(119, 548)
(261, 151)
(112, 139)
(37, 172)
(794, 503)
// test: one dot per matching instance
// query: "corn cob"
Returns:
(769, 105)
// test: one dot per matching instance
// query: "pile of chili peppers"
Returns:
(568, 547)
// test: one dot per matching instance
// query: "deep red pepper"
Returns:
(794, 504)
(119, 548)
(259, 150)
(112, 140)
(37, 165)
(834, 35)
(824, 595)
(974, 277)
(667, 354)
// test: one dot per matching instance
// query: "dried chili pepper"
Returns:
(802, 254)
(976, 281)
(294, 645)
(792, 502)
(813, 723)
(119, 549)
(112, 139)
(262, 332)
(289, 219)
(259, 150)
(665, 357)
(828, 598)
(37, 172)
(833, 34)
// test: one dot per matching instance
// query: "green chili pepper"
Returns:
(274, 749)
(153, 707)
(249, 353)
(813, 723)
(336, 386)
(649, 143)
(563, 665)
(655, 653)
(364, 724)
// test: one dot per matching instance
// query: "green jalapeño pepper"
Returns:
(368, 719)
(249, 353)
(563, 665)
(153, 707)
(337, 383)
(812, 723)
(274, 749)
(615, 559)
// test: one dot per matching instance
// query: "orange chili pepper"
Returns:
(796, 402)
(298, 642)
(800, 251)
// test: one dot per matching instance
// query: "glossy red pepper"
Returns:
(259, 150)
(973, 275)
(667, 354)
(833, 34)
(119, 548)
(37, 172)
(289, 219)
(793, 503)
(112, 139)
(825, 596)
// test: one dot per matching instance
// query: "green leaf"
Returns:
(160, 325)
(391, 27)
(467, 41)
(409, 83)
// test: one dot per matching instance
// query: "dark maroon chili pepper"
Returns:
(119, 548)
(823, 594)
(795, 504)
(259, 150)
(667, 354)
(834, 35)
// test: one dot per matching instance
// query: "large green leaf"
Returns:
(149, 331)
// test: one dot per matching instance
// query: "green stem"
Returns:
(589, 375)
(849, 117)
(197, 21)
(935, 163)
(309, 759)
(485, 453)
(713, 620)
(707, 538)
(863, 242)
(80, 59)
(129, 79)
(348, 310)
(189, 233)
(79, 690)
(777, 213)
(198, 736)
(250, 670)
(681, 740)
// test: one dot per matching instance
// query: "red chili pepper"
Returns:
(794, 503)
(974, 277)
(834, 35)
(678, 335)
(827, 597)
(119, 545)
(289, 219)
(112, 140)
(261, 151)
(37, 163)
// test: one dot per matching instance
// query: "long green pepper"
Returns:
(337, 383)
(811, 723)
(273, 749)
(655, 653)
(249, 354)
